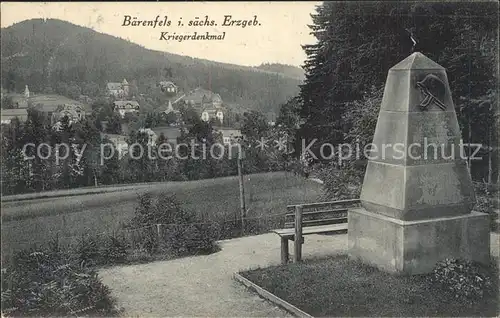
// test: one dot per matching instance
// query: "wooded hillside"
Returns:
(48, 54)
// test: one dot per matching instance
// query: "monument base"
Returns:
(414, 247)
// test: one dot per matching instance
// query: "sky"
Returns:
(278, 38)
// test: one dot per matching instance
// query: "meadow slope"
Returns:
(35, 222)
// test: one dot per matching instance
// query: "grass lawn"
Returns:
(338, 286)
(27, 222)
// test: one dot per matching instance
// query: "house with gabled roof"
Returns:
(9, 114)
(126, 106)
(119, 142)
(171, 133)
(210, 113)
(168, 87)
(207, 103)
(118, 90)
(56, 107)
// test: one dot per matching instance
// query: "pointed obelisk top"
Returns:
(417, 61)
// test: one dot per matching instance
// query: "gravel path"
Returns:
(203, 285)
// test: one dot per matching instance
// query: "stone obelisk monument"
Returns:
(417, 194)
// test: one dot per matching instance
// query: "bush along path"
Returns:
(53, 283)
(60, 279)
(63, 281)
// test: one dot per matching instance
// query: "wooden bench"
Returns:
(315, 218)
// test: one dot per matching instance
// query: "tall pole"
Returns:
(242, 194)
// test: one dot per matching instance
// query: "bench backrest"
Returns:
(322, 213)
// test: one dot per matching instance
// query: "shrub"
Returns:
(464, 280)
(87, 251)
(50, 283)
(113, 251)
(149, 242)
(299, 167)
(483, 204)
(206, 239)
(188, 239)
(100, 250)
(485, 189)
(341, 184)
(183, 232)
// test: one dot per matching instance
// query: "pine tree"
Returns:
(110, 170)
(37, 132)
(357, 43)
(163, 164)
(14, 167)
(88, 142)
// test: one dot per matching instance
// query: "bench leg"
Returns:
(297, 255)
(284, 250)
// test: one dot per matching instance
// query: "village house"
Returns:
(230, 136)
(152, 136)
(126, 106)
(171, 133)
(210, 113)
(118, 90)
(9, 114)
(56, 107)
(119, 142)
(168, 88)
(18, 100)
(171, 92)
(200, 98)
(169, 108)
(53, 106)
(214, 100)
(207, 103)
(74, 112)
(194, 98)
(85, 99)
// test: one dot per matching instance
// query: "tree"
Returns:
(133, 90)
(114, 125)
(11, 81)
(140, 162)
(37, 132)
(110, 170)
(162, 163)
(70, 169)
(15, 171)
(289, 117)
(343, 177)
(205, 156)
(102, 109)
(189, 115)
(360, 117)
(256, 131)
(254, 125)
(287, 124)
(151, 120)
(169, 118)
(354, 51)
(88, 136)
(91, 89)
(7, 102)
